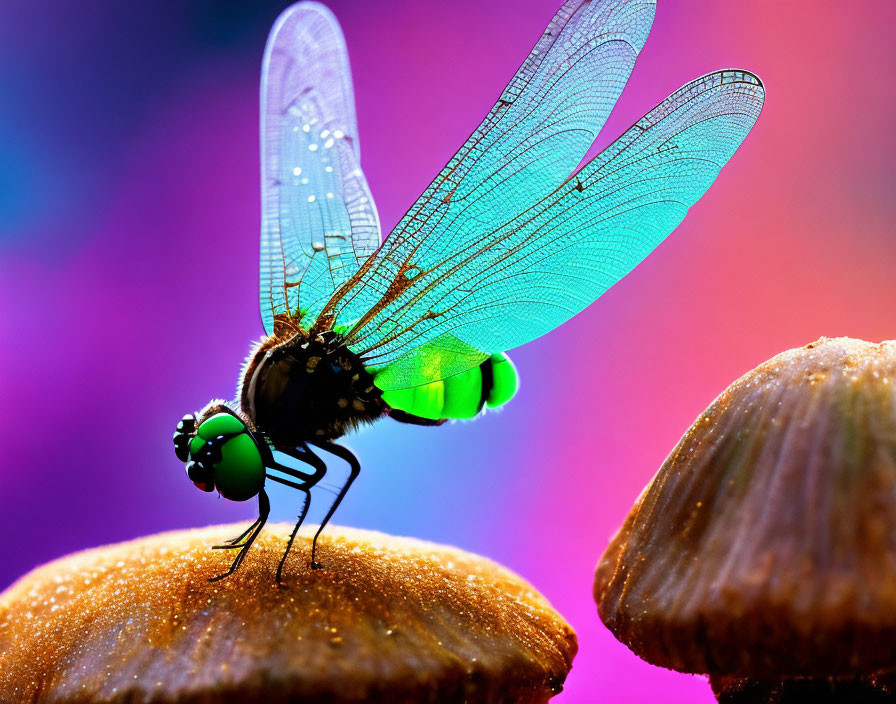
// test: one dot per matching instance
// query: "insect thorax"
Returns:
(307, 387)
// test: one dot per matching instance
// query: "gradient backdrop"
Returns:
(128, 246)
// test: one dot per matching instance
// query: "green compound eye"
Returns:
(239, 475)
(220, 424)
(195, 444)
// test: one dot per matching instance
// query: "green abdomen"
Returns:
(493, 383)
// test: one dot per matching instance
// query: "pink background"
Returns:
(128, 250)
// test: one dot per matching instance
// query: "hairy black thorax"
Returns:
(307, 386)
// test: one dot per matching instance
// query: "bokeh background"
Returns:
(128, 247)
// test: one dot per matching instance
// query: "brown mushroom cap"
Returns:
(387, 619)
(765, 546)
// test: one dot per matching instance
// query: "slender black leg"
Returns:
(302, 513)
(264, 508)
(235, 542)
(354, 470)
(287, 482)
(300, 481)
(304, 454)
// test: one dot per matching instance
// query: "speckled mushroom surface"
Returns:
(765, 546)
(387, 620)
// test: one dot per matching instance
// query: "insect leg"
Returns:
(234, 542)
(304, 454)
(354, 470)
(302, 513)
(264, 508)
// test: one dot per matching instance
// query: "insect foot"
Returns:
(477, 632)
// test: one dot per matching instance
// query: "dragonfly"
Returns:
(509, 240)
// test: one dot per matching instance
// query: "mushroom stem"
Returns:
(796, 690)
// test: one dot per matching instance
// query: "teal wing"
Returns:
(436, 306)
(528, 144)
(319, 223)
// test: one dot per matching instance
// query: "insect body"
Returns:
(308, 387)
(504, 245)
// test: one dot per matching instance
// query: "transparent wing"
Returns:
(534, 136)
(508, 285)
(319, 223)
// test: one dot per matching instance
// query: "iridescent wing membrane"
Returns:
(504, 245)
(494, 287)
(319, 223)
(535, 135)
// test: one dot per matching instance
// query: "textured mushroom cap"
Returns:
(387, 619)
(765, 546)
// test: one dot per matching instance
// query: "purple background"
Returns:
(128, 248)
